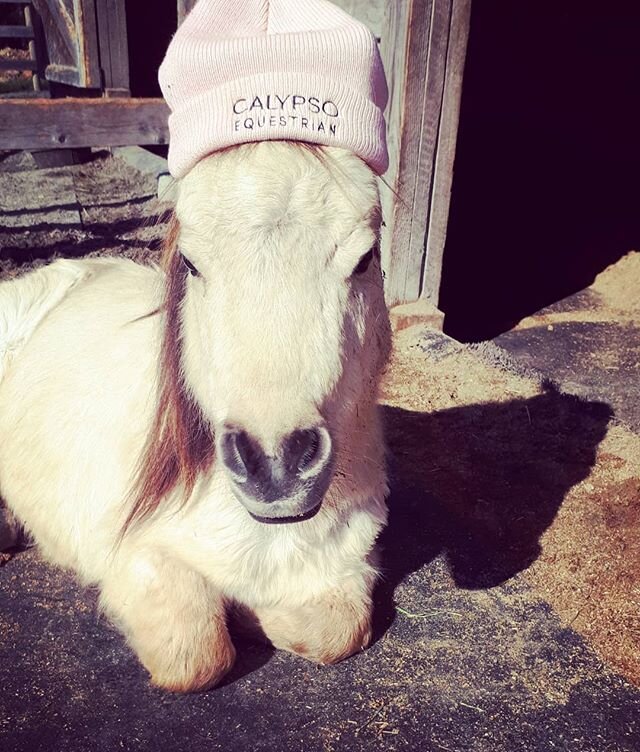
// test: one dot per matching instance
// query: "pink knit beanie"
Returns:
(255, 70)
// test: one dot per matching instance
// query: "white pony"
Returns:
(206, 438)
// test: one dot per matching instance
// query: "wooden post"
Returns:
(421, 65)
(37, 48)
(393, 48)
(114, 51)
(446, 150)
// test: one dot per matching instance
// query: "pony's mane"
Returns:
(180, 443)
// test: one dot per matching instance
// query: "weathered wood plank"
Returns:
(113, 45)
(446, 149)
(15, 65)
(33, 93)
(77, 123)
(72, 42)
(427, 28)
(417, 102)
(16, 32)
(88, 61)
(393, 48)
(420, 164)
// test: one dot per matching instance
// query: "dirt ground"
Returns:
(509, 617)
(547, 483)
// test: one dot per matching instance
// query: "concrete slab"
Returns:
(167, 189)
(143, 160)
(103, 206)
(37, 201)
(453, 669)
(152, 165)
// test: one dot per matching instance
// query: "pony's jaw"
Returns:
(299, 507)
(302, 517)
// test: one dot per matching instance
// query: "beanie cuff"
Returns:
(283, 106)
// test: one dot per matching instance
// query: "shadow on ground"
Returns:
(480, 484)
(473, 488)
(75, 241)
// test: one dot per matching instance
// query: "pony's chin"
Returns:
(288, 520)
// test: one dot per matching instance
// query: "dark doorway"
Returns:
(546, 189)
(150, 26)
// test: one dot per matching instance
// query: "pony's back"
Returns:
(77, 389)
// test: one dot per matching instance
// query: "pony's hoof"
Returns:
(188, 674)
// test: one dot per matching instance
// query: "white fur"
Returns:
(27, 300)
(276, 334)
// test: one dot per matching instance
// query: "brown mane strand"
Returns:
(180, 444)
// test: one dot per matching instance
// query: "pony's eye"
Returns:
(192, 270)
(364, 262)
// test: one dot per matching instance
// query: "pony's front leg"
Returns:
(172, 617)
(326, 629)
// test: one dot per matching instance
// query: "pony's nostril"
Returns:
(240, 454)
(269, 477)
(305, 450)
(311, 450)
(248, 451)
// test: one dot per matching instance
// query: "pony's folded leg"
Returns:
(173, 618)
(326, 629)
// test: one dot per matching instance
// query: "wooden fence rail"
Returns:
(78, 123)
(16, 32)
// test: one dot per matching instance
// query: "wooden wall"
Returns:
(370, 12)
(423, 46)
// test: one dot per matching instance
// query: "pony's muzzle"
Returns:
(289, 482)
